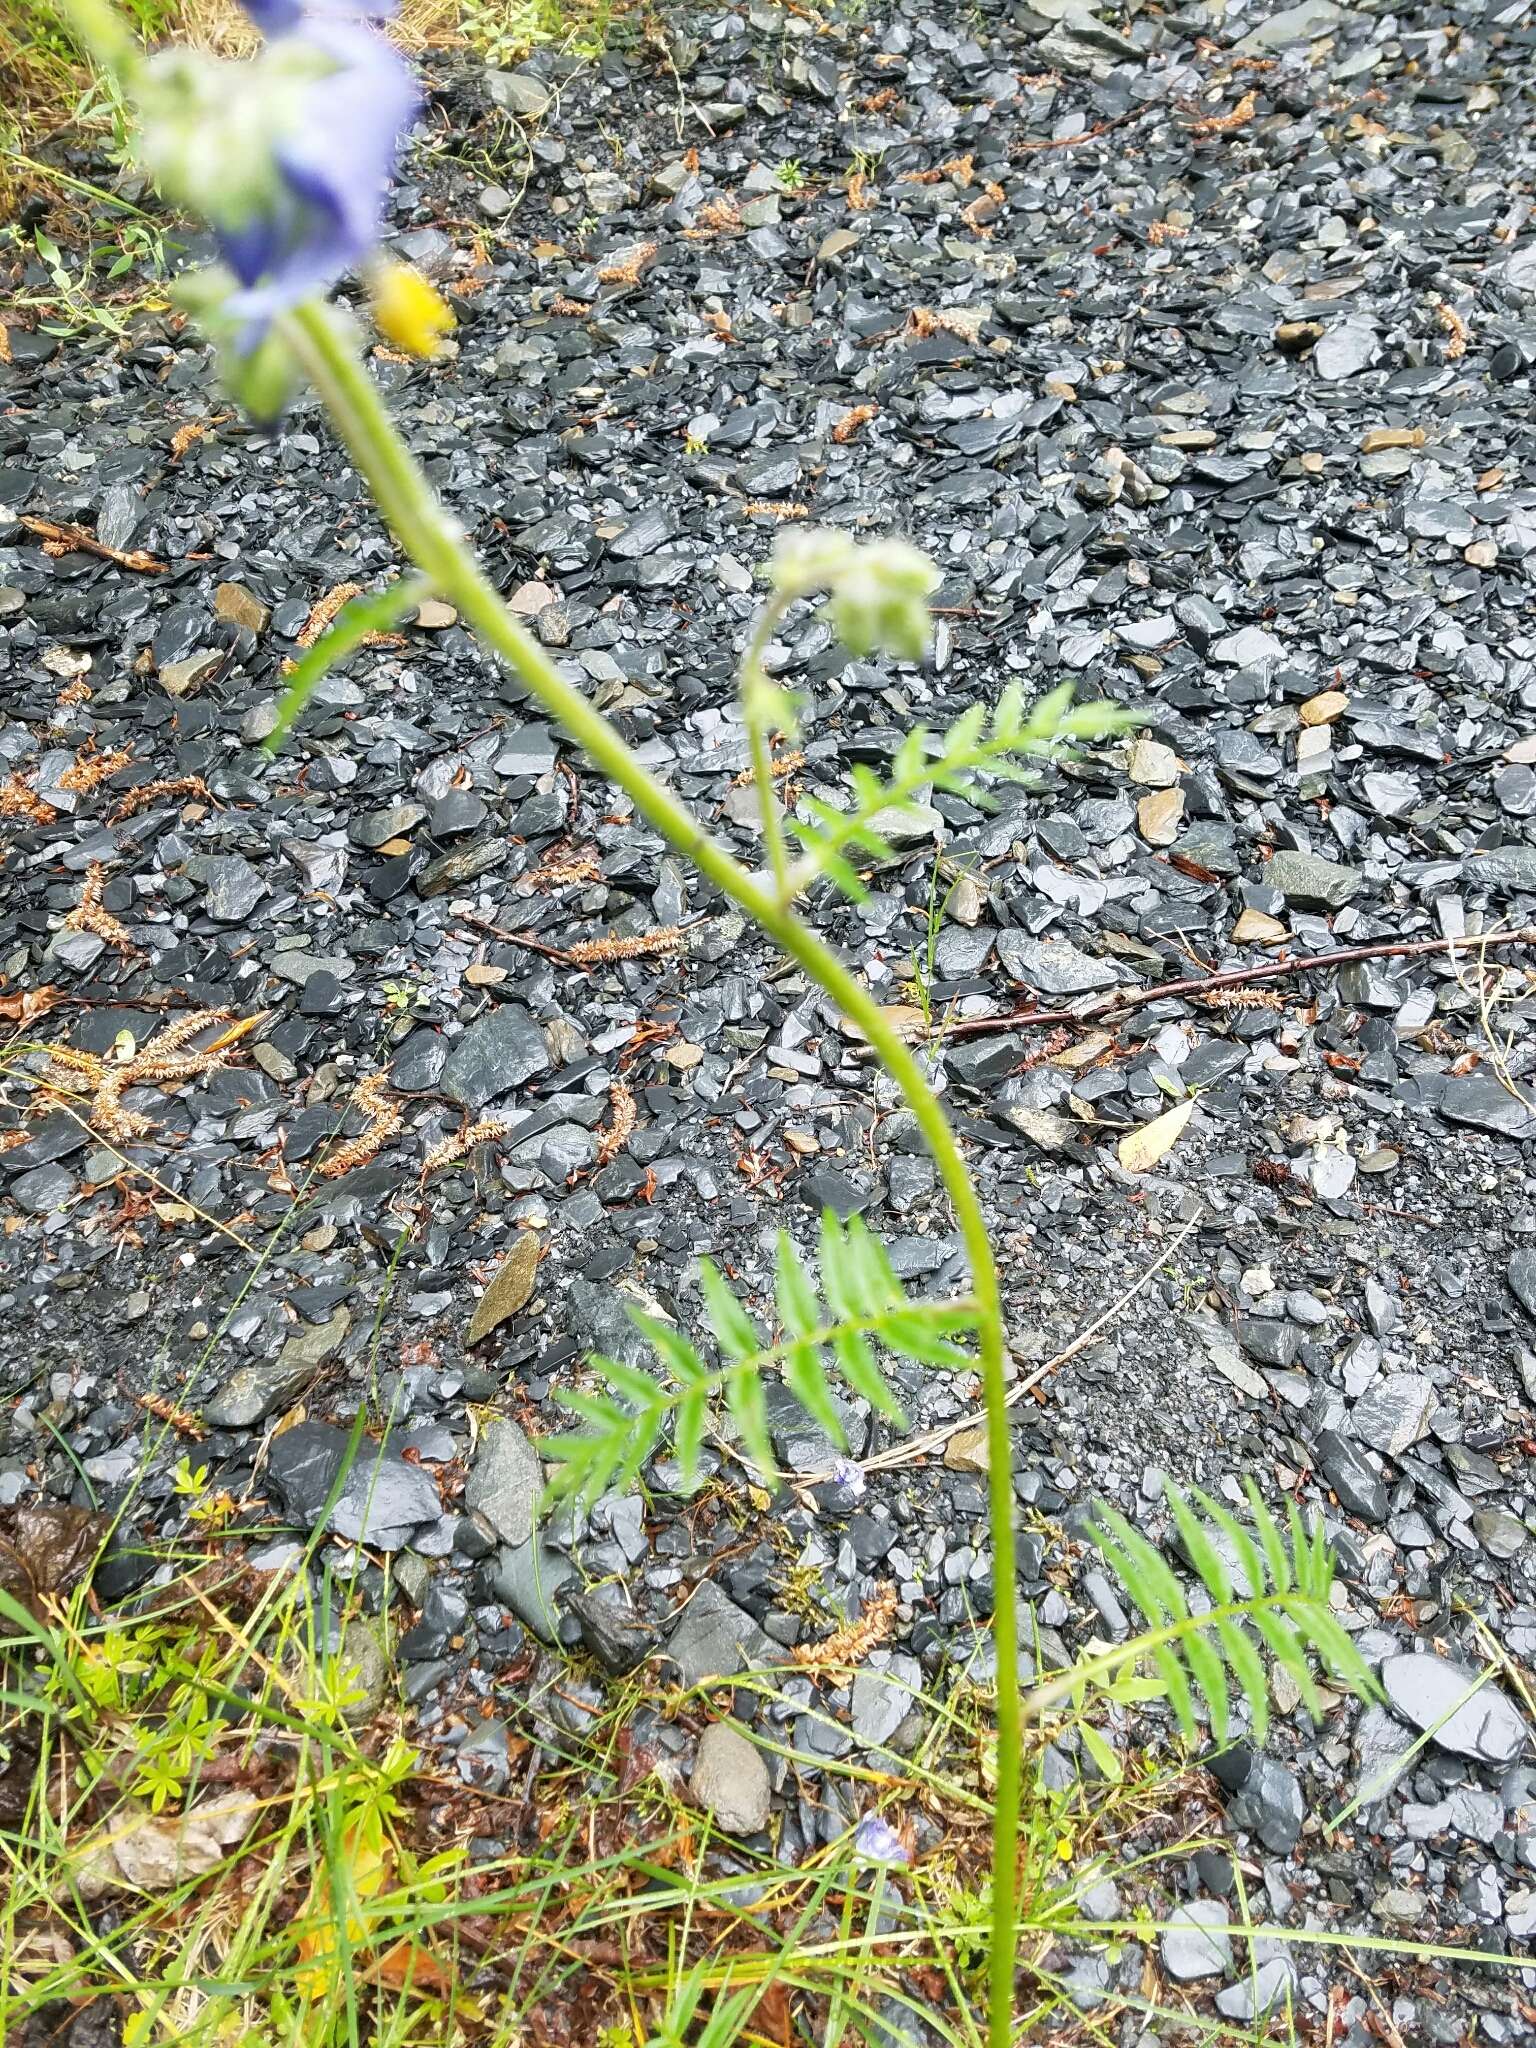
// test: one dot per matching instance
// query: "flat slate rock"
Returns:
(1461, 1712)
(379, 1499)
(496, 1054)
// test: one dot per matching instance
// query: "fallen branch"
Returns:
(1120, 1004)
(62, 540)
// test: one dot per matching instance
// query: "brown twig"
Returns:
(60, 539)
(1121, 1004)
(1084, 135)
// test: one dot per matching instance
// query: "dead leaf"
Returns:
(907, 1018)
(155, 1853)
(409, 1967)
(26, 1004)
(369, 1868)
(43, 1550)
(508, 1291)
(1139, 1151)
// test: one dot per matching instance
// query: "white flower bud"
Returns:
(878, 592)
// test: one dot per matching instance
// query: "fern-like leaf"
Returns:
(1268, 1587)
(836, 1325)
(951, 761)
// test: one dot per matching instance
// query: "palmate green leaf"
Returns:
(836, 1322)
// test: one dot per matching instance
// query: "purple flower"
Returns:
(278, 17)
(875, 1841)
(333, 159)
(847, 1475)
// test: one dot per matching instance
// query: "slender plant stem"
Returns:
(755, 689)
(433, 541)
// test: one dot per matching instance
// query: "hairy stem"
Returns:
(433, 541)
(755, 689)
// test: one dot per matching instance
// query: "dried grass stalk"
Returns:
(481, 1132)
(719, 216)
(597, 952)
(561, 868)
(853, 1642)
(383, 1124)
(164, 1409)
(151, 792)
(1226, 124)
(18, 799)
(89, 769)
(627, 265)
(964, 322)
(323, 616)
(164, 1059)
(1458, 330)
(88, 915)
(616, 1136)
(851, 421)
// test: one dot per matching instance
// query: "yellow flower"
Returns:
(407, 310)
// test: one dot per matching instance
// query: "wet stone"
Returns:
(530, 1577)
(730, 1780)
(505, 1481)
(1360, 1489)
(1193, 1945)
(1521, 1273)
(378, 1498)
(1395, 1413)
(497, 1053)
(1270, 1804)
(231, 886)
(1054, 968)
(1481, 1100)
(1468, 1717)
(715, 1639)
(1309, 880)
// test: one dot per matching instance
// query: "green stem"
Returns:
(438, 548)
(755, 688)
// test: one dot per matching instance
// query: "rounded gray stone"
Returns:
(730, 1779)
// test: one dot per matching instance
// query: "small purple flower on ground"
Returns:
(876, 1841)
(847, 1475)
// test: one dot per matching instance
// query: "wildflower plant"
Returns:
(288, 155)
